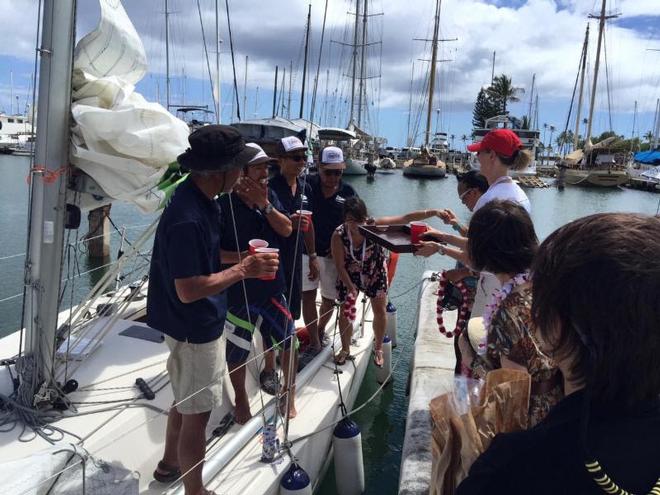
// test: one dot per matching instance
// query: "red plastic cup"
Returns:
(308, 214)
(254, 244)
(416, 231)
(268, 250)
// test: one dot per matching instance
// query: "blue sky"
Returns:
(529, 36)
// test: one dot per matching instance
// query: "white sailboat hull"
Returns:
(355, 167)
(130, 434)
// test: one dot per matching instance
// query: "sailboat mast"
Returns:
(656, 131)
(531, 102)
(601, 27)
(275, 94)
(218, 106)
(362, 95)
(583, 71)
(434, 54)
(288, 103)
(409, 139)
(48, 201)
(355, 45)
(245, 87)
(304, 77)
(167, 55)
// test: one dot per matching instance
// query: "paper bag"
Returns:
(466, 420)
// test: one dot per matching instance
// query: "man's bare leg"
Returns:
(242, 407)
(171, 454)
(327, 308)
(310, 316)
(192, 450)
(290, 387)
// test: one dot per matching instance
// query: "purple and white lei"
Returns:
(496, 299)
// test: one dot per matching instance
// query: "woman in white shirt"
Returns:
(498, 152)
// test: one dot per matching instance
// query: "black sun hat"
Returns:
(216, 148)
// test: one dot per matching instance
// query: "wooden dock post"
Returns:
(98, 235)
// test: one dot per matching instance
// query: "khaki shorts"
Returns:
(327, 278)
(196, 375)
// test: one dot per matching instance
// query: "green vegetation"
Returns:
(493, 100)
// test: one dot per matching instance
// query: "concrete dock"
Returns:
(432, 373)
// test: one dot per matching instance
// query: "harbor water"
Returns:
(382, 420)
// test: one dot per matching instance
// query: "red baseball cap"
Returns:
(504, 142)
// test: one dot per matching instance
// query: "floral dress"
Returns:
(510, 336)
(366, 265)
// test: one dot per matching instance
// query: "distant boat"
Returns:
(427, 164)
(16, 134)
(599, 164)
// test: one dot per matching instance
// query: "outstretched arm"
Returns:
(413, 216)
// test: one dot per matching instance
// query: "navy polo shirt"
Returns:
(250, 224)
(187, 244)
(328, 213)
(292, 247)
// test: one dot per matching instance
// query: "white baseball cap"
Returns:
(332, 158)
(260, 157)
(292, 143)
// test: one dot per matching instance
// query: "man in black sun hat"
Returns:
(187, 300)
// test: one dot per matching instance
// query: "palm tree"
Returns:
(649, 136)
(503, 91)
(452, 141)
(464, 138)
(552, 131)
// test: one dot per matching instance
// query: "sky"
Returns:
(541, 37)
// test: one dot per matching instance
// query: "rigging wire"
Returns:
(233, 62)
(206, 54)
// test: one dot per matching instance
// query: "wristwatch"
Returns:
(267, 209)
(312, 256)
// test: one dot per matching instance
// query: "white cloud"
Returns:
(541, 36)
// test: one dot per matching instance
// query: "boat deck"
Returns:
(119, 425)
(431, 374)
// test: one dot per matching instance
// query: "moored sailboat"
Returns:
(596, 164)
(427, 165)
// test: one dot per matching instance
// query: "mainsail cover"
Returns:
(124, 142)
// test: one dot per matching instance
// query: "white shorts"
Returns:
(196, 375)
(327, 279)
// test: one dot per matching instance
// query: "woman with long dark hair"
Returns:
(596, 310)
(502, 241)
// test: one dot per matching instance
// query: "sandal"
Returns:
(269, 382)
(165, 473)
(341, 357)
(379, 360)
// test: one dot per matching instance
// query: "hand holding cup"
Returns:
(262, 265)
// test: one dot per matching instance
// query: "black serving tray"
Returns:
(395, 238)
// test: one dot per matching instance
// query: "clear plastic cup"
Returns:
(268, 250)
(416, 230)
(254, 244)
(308, 215)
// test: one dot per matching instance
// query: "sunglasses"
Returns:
(336, 173)
(461, 196)
(297, 158)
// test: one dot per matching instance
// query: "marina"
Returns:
(202, 297)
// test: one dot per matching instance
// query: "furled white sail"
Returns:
(121, 140)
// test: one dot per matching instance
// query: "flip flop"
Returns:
(378, 354)
(341, 357)
(168, 474)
